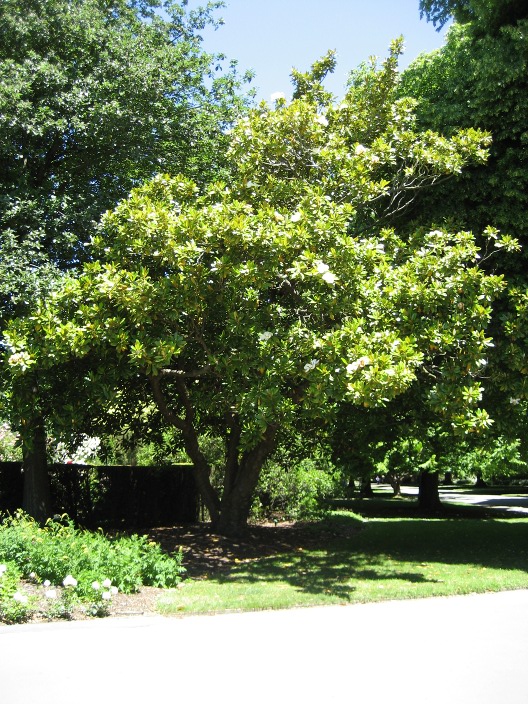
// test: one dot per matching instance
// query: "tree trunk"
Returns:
(365, 490)
(428, 497)
(233, 517)
(395, 483)
(480, 483)
(37, 495)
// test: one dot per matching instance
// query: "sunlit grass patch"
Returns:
(388, 559)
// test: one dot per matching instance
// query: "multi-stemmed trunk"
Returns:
(229, 509)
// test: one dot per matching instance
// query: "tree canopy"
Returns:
(479, 78)
(248, 305)
(486, 16)
(96, 96)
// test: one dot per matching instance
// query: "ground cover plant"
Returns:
(67, 567)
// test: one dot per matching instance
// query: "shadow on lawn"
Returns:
(383, 550)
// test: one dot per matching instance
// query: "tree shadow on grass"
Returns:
(333, 557)
(332, 571)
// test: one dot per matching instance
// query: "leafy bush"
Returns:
(15, 605)
(59, 551)
(297, 491)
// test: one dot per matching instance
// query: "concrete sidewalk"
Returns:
(471, 649)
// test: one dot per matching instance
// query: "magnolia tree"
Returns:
(253, 305)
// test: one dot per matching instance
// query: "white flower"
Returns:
(3, 568)
(321, 119)
(311, 365)
(263, 336)
(107, 583)
(32, 575)
(46, 583)
(20, 598)
(106, 596)
(69, 581)
(515, 401)
(358, 364)
(51, 594)
(296, 217)
(360, 149)
(113, 590)
(329, 277)
(96, 585)
(278, 95)
(321, 267)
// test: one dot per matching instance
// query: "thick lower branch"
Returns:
(202, 469)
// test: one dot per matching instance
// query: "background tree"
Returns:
(96, 96)
(251, 306)
(480, 78)
(486, 16)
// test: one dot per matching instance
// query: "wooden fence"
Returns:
(111, 496)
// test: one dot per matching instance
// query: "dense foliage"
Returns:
(73, 566)
(96, 96)
(246, 307)
(480, 78)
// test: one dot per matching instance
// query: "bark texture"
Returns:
(428, 496)
(37, 495)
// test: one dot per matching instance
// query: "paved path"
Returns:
(472, 650)
(514, 504)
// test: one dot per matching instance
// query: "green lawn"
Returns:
(386, 558)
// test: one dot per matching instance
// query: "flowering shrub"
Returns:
(83, 453)
(87, 568)
(15, 604)
(9, 449)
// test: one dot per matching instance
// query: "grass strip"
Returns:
(389, 558)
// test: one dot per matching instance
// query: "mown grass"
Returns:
(386, 558)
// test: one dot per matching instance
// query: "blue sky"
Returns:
(271, 36)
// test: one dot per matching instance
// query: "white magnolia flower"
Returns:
(329, 277)
(296, 217)
(106, 596)
(69, 581)
(358, 364)
(321, 119)
(278, 95)
(51, 594)
(321, 267)
(107, 583)
(20, 598)
(46, 583)
(96, 585)
(263, 336)
(311, 365)
(360, 149)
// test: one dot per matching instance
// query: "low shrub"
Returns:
(15, 604)
(298, 491)
(88, 567)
